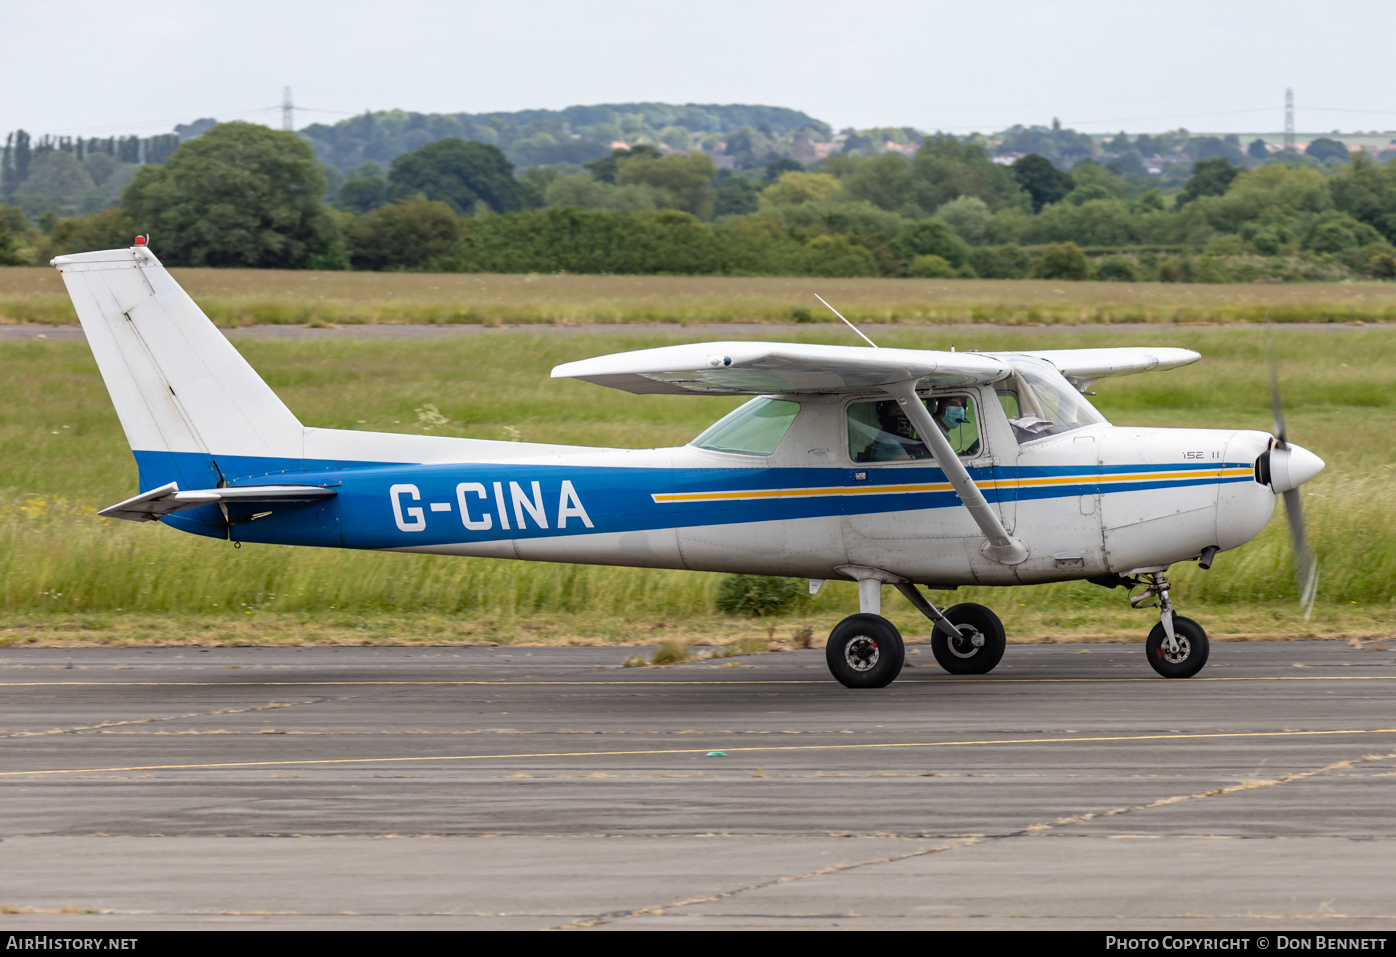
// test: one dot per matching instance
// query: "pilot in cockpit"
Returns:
(894, 438)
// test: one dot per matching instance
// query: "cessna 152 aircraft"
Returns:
(898, 467)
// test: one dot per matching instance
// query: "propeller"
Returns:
(1291, 466)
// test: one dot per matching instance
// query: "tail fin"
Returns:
(185, 397)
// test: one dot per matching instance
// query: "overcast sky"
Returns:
(102, 68)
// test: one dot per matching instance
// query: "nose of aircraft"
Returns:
(1292, 466)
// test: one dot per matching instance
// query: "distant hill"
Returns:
(577, 134)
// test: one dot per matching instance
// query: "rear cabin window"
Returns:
(753, 429)
(881, 432)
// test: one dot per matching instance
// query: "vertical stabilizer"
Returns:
(178, 385)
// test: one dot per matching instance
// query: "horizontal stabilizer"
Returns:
(151, 506)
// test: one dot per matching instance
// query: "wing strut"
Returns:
(999, 546)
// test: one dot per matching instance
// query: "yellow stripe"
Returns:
(1056, 480)
(730, 750)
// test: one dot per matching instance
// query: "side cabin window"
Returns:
(1040, 402)
(755, 428)
(881, 432)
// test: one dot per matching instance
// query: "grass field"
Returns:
(68, 576)
(243, 296)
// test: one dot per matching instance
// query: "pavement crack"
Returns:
(103, 725)
(759, 885)
(1034, 829)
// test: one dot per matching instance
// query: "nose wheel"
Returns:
(1177, 647)
(1187, 653)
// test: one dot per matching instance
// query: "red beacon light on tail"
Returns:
(140, 240)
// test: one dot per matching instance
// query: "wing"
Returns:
(765, 368)
(1084, 366)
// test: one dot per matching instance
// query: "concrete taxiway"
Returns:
(550, 787)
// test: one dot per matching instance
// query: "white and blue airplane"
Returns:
(899, 467)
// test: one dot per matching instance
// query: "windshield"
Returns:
(1040, 402)
(753, 429)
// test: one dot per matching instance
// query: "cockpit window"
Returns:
(1040, 402)
(881, 432)
(753, 429)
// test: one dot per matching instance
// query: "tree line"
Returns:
(244, 195)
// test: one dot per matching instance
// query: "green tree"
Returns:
(1116, 269)
(882, 180)
(1063, 261)
(1209, 178)
(13, 229)
(1366, 191)
(460, 174)
(1335, 231)
(1324, 149)
(239, 195)
(365, 189)
(1042, 181)
(108, 229)
(930, 267)
(930, 237)
(58, 177)
(605, 169)
(785, 164)
(737, 196)
(1257, 149)
(686, 181)
(1008, 261)
(794, 188)
(407, 234)
(969, 217)
(945, 168)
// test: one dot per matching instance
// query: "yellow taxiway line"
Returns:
(729, 750)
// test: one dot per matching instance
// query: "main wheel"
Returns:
(978, 647)
(865, 651)
(1190, 656)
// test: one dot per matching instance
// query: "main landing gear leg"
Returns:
(968, 639)
(1177, 647)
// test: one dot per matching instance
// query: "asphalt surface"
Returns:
(550, 787)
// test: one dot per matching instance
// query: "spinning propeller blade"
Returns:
(1305, 564)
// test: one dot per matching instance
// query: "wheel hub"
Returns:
(1179, 656)
(967, 643)
(861, 653)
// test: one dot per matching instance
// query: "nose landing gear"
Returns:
(1177, 647)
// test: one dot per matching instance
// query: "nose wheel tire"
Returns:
(979, 646)
(865, 651)
(1190, 656)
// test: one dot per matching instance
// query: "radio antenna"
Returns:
(846, 322)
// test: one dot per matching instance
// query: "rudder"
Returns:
(185, 397)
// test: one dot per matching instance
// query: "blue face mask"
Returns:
(954, 415)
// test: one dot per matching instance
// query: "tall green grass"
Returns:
(62, 456)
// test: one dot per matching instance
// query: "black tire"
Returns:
(960, 655)
(1192, 649)
(865, 651)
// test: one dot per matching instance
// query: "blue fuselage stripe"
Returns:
(402, 505)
